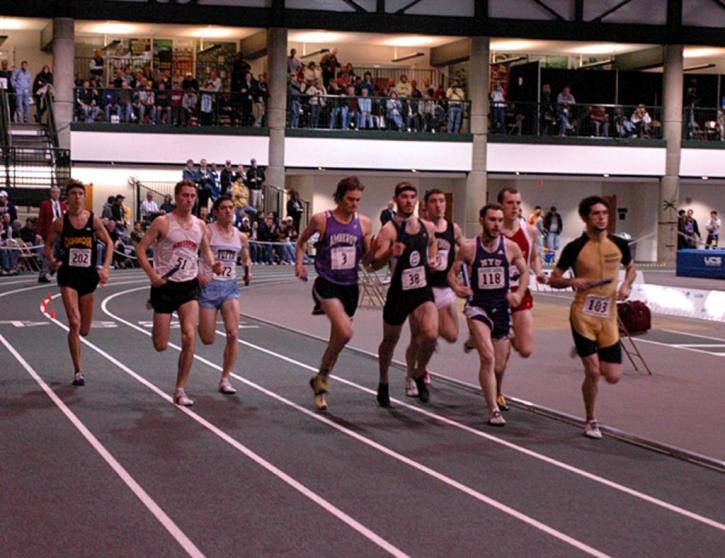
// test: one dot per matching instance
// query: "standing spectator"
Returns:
(206, 186)
(176, 98)
(188, 107)
(367, 83)
(50, 210)
(312, 73)
(316, 93)
(125, 101)
(255, 181)
(206, 104)
(388, 213)
(8, 257)
(216, 188)
(149, 208)
(239, 174)
(226, 178)
(239, 68)
(565, 103)
(95, 66)
(691, 101)
(692, 230)
(248, 93)
(22, 82)
(455, 96)
(350, 112)
(713, 231)
(215, 80)
(295, 208)
(107, 210)
(6, 206)
(329, 65)
(548, 114)
(119, 215)
(42, 85)
(260, 100)
(365, 105)
(6, 81)
(554, 226)
(642, 121)
(295, 88)
(598, 121)
(333, 94)
(293, 63)
(190, 173)
(498, 108)
(681, 238)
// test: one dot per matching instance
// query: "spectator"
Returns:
(565, 103)
(350, 112)
(188, 108)
(107, 210)
(598, 121)
(190, 173)
(168, 205)
(216, 187)
(548, 113)
(239, 174)
(255, 181)
(239, 69)
(295, 88)
(149, 208)
(226, 178)
(690, 103)
(175, 99)
(316, 93)
(393, 108)
(642, 121)
(111, 107)
(6, 81)
(367, 83)
(692, 230)
(554, 226)
(329, 65)
(206, 186)
(248, 93)
(118, 213)
(206, 105)
(8, 256)
(240, 197)
(365, 106)
(622, 125)
(162, 107)
(42, 85)
(721, 118)
(88, 102)
(312, 73)
(95, 66)
(137, 233)
(388, 213)
(22, 82)
(333, 93)
(498, 108)
(295, 208)
(713, 231)
(260, 100)
(293, 63)
(189, 82)
(455, 96)
(215, 80)
(6, 206)
(50, 210)
(125, 101)
(147, 104)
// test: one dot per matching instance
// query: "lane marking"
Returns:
(136, 488)
(693, 335)
(704, 345)
(661, 344)
(311, 495)
(375, 445)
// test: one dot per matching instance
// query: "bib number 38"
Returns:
(413, 278)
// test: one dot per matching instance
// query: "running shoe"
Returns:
(319, 388)
(591, 430)
(383, 395)
(411, 390)
(79, 379)
(180, 398)
(426, 378)
(496, 418)
(317, 310)
(226, 387)
(423, 392)
(502, 403)
(468, 346)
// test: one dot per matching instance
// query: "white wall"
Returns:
(25, 45)
(703, 162)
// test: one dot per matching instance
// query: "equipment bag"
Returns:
(635, 316)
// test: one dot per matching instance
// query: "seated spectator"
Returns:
(548, 113)
(393, 108)
(137, 233)
(367, 83)
(642, 121)
(455, 96)
(111, 107)
(565, 104)
(240, 197)
(149, 208)
(622, 125)
(167, 206)
(175, 98)
(598, 121)
(350, 109)
(335, 103)
(8, 256)
(147, 104)
(189, 83)
(312, 73)
(162, 106)
(365, 106)
(88, 101)
(188, 108)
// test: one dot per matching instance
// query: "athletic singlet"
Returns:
(410, 269)
(523, 239)
(179, 248)
(226, 250)
(339, 250)
(490, 277)
(79, 246)
(446, 241)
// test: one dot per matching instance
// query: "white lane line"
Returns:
(703, 345)
(506, 443)
(136, 488)
(324, 504)
(375, 445)
(661, 344)
(693, 335)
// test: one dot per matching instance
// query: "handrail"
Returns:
(52, 128)
(5, 118)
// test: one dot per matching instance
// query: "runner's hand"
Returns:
(462, 291)
(54, 264)
(218, 268)
(301, 272)
(103, 276)
(397, 249)
(624, 291)
(542, 278)
(158, 281)
(203, 279)
(514, 299)
(581, 284)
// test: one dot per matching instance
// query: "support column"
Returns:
(672, 131)
(63, 55)
(478, 86)
(277, 106)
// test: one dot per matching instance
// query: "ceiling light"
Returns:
(210, 32)
(113, 28)
(407, 57)
(409, 41)
(601, 48)
(702, 52)
(12, 24)
(509, 46)
(316, 37)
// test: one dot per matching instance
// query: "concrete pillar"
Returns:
(63, 55)
(277, 106)
(478, 86)
(672, 131)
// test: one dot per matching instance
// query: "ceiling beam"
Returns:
(611, 10)
(550, 10)
(405, 8)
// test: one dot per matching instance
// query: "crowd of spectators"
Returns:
(688, 231)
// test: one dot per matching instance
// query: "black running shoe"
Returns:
(423, 392)
(79, 379)
(317, 310)
(384, 395)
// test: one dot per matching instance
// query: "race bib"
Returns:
(229, 271)
(597, 306)
(343, 257)
(79, 257)
(491, 277)
(413, 278)
(441, 259)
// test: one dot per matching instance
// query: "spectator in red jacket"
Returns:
(50, 209)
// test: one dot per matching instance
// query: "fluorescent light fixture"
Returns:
(316, 37)
(698, 67)
(605, 175)
(409, 41)
(407, 57)
(703, 52)
(706, 178)
(510, 46)
(315, 53)
(600, 48)
(113, 28)
(212, 32)
(13, 24)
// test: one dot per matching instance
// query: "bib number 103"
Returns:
(597, 306)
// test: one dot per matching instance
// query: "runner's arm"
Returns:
(367, 230)
(463, 257)
(432, 245)
(55, 229)
(246, 258)
(152, 234)
(382, 246)
(206, 251)
(517, 259)
(100, 230)
(316, 225)
(536, 255)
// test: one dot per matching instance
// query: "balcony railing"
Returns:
(35, 167)
(706, 124)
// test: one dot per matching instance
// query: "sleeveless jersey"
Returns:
(410, 270)
(179, 249)
(340, 250)
(489, 276)
(523, 239)
(446, 253)
(226, 250)
(79, 246)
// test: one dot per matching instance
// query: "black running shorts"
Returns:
(399, 306)
(498, 320)
(323, 289)
(83, 283)
(167, 298)
(586, 347)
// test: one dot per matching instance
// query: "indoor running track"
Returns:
(115, 469)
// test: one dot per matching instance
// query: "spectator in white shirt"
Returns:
(148, 208)
(713, 231)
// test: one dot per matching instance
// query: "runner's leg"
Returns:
(189, 319)
(425, 318)
(448, 323)
(481, 337)
(501, 351)
(85, 306)
(160, 331)
(391, 335)
(207, 324)
(523, 341)
(230, 315)
(589, 386)
(340, 334)
(70, 302)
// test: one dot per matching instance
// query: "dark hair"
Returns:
(553, 208)
(537, 207)
(404, 186)
(430, 193)
(504, 191)
(487, 207)
(346, 185)
(219, 200)
(181, 184)
(587, 203)
(73, 183)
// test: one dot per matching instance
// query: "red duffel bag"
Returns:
(635, 316)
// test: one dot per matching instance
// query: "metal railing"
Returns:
(386, 77)
(703, 123)
(35, 167)
(335, 112)
(52, 129)
(579, 120)
(5, 118)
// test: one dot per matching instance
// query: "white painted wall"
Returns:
(703, 162)
(24, 45)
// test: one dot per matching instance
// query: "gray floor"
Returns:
(263, 474)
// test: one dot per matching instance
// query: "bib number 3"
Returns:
(343, 257)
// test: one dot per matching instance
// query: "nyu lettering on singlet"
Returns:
(446, 241)
(79, 246)
(410, 269)
(490, 276)
(180, 248)
(226, 251)
(339, 250)
(523, 239)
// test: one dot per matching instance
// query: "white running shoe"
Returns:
(496, 418)
(226, 387)
(79, 379)
(411, 390)
(180, 398)
(591, 430)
